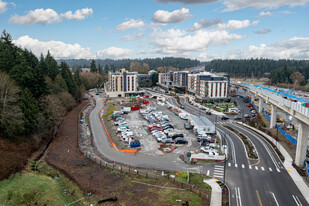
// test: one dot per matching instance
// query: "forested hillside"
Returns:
(256, 67)
(180, 63)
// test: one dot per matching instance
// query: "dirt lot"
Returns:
(103, 183)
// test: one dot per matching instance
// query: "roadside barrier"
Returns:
(114, 145)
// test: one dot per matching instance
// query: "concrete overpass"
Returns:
(295, 109)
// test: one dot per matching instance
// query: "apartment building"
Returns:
(122, 83)
(165, 80)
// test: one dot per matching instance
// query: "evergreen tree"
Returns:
(106, 68)
(93, 67)
(67, 76)
(52, 66)
(7, 52)
(30, 108)
(61, 84)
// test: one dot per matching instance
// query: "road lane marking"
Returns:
(243, 166)
(238, 198)
(258, 196)
(208, 172)
(267, 149)
(250, 167)
(298, 203)
(232, 145)
(270, 169)
(256, 167)
(236, 165)
(229, 164)
(278, 170)
(262, 168)
(275, 198)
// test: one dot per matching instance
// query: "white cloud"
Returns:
(188, 1)
(208, 57)
(99, 29)
(198, 42)
(79, 14)
(232, 5)
(129, 24)
(263, 13)
(263, 31)
(38, 16)
(58, 49)
(204, 23)
(167, 17)
(236, 24)
(48, 16)
(128, 37)
(114, 53)
(158, 33)
(3, 7)
(294, 48)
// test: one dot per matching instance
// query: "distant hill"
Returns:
(180, 63)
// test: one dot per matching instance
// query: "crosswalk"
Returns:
(218, 171)
(254, 167)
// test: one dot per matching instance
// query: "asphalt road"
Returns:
(262, 182)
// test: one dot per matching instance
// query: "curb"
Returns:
(298, 180)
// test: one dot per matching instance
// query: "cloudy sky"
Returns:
(199, 29)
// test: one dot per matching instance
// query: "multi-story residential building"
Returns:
(208, 85)
(166, 80)
(122, 84)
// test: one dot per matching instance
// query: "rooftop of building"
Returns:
(201, 121)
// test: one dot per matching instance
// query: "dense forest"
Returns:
(35, 93)
(180, 63)
(254, 67)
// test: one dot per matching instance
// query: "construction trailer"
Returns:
(201, 123)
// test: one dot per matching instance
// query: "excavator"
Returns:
(98, 88)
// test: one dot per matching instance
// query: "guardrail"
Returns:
(282, 101)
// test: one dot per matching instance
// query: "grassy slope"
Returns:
(45, 187)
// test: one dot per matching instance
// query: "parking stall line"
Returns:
(243, 166)
(250, 167)
(256, 167)
(270, 169)
(262, 168)
(236, 165)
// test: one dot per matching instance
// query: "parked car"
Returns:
(206, 149)
(166, 140)
(182, 107)
(225, 118)
(181, 140)
(253, 115)
(246, 116)
(187, 126)
(175, 135)
(120, 122)
(135, 143)
(208, 112)
(237, 118)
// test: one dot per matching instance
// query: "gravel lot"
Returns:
(149, 144)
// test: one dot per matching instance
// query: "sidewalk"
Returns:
(216, 192)
(302, 186)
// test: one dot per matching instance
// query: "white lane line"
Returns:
(265, 146)
(208, 172)
(243, 166)
(219, 169)
(275, 198)
(250, 167)
(270, 169)
(229, 164)
(256, 167)
(262, 168)
(236, 165)
(232, 145)
(278, 170)
(298, 203)
(238, 197)
(219, 166)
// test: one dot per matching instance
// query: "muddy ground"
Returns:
(92, 178)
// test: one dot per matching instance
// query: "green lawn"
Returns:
(46, 187)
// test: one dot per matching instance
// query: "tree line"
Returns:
(255, 67)
(153, 63)
(35, 92)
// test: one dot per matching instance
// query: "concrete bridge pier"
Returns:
(273, 117)
(260, 105)
(301, 149)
